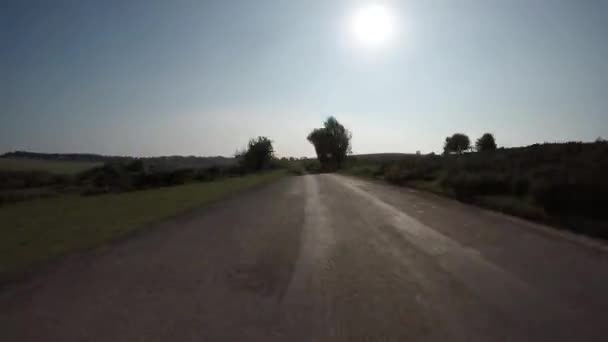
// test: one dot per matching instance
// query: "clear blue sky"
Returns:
(146, 78)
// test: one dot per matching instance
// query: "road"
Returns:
(322, 258)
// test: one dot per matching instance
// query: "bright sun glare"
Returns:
(372, 25)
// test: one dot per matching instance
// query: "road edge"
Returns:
(541, 228)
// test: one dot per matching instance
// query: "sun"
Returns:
(372, 25)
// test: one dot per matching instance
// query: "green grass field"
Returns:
(38, 230)
(52, 166)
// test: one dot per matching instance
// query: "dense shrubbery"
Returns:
(564, 181)
(312, 166)
(16, 186)
(29, 179)
(573, 196)
(468, 185)
(415, 167)
(299, 166)
(119, 174)
(118, 177)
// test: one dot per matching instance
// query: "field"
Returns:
(41, 229)
(52, 166)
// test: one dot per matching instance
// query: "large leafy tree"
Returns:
(485, 143)
(457, 143)
(331, 142)
(258, 155)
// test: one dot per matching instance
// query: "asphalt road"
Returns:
(322, 258)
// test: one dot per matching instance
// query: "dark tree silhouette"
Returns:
(332, 143)
(457, 143)
(485, 143)
(258, 155)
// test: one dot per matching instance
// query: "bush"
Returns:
(414, 168)
(520, 186)
(110, 177)
(564, 184)
(312, 166)
(394, 173)
(573, 197)
(469, 185)
(118, 177)
(30, 179)
(295, 168)
(368, 170)
(208, 174)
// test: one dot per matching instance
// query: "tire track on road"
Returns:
(304, 302)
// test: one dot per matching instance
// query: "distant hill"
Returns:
(84, 157)
(165, 163)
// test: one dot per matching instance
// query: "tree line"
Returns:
(332, 143)
(459, 143)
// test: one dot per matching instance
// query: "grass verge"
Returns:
(39, 230)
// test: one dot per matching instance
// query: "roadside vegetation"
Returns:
(42, 229)
(51, 175)
(53, 209)
(58, 167)
(562, 184)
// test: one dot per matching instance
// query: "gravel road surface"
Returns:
(322, 258)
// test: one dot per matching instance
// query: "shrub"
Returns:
(394, 173)
(312, 166)
(110, 176)
(118, 177)
(208, 174)
(564, 183)
(135, 166)
(30, 179)
(469, 185)
(425, 168)
(295, 168)
(573, 197)
(365, 170)
(520, 186)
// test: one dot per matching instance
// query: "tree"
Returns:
(332, 143)
(457, 143)
(485, 143)
(258, 155)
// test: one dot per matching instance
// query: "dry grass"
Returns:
(42, 229)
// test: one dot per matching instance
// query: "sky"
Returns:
(150, 78)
